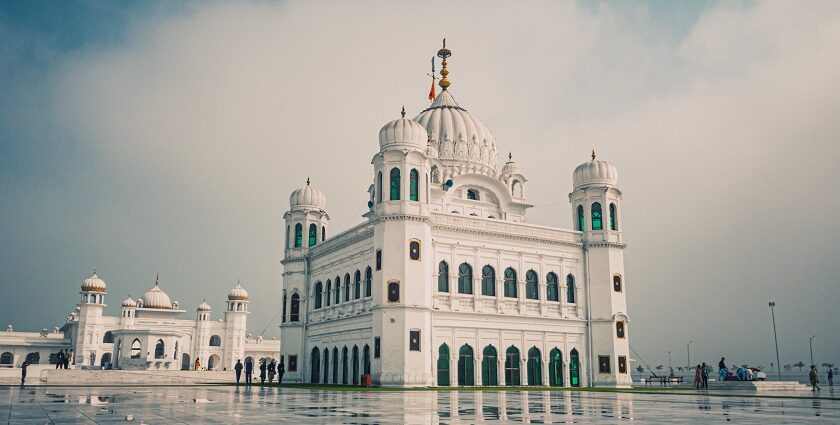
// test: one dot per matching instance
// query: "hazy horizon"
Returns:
(153, 137)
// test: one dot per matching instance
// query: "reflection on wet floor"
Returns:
(215, 404)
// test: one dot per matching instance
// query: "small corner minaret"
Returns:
(90, 319)
(236, 325)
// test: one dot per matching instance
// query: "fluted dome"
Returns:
(595, 172)
(403, 131)
(203, 306)
(307, 196)
(94, 284)
(462, 141)
(156, 298)
(129, 302)
(238, 293)
(510, 167)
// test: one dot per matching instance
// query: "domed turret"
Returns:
(403, 132)
(307, 196)
(94, 284)
(595, 172)
(510, 167)
(238, 293)
(156, 298)
(129, 302)
(203, 306)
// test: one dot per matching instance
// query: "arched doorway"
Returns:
(574, 368)
(366, 360)
(443, 366)
(185, 361)
(6, 358)
(555, 368)
(344, 366)
(489, 366)
(105, 362)
(335, 365)
(119, 353)
(326, 365)
(534, 367)
(315, 366)
(466, 366)
(213, 362)
(160, 349)
(512, 366)
(355, 365)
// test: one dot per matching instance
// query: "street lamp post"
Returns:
(776, 338)
(688, 352)
(811, 346)
(670, 365)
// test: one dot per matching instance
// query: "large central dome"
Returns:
(462, 141)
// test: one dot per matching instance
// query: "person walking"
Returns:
(262, 372)
(59, 359)
(238, 369)
(272, 368)
(280, 371)
(698, 381)
(830, 377)
(197, 364)
(249, 370)
(704, 375)
(812, 376)
(66, 363)
(23, 367)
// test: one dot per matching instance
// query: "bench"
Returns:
(664, 380)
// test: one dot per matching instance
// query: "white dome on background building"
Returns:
(203, 306)
(156, 298)
(595, 172)
(462, 141)
(129, 302)
(307, 196)
(94, 284)
(403, 132)
(238, 293)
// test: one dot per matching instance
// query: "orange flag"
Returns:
(432, 91)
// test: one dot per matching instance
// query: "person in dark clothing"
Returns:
(722, 364)
(812, 376)
(66, 358)
(23, 367)
(280, 371)
(704, 375)
(272, 368)
(59, 359)
(830, 377)
(238, 369)
(249, 371)
(262, 372)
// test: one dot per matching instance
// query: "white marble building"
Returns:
(446, 282)
(148, 334)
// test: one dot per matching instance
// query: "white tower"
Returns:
(306, 226)
(88, 332)
(236, 325)
(596, 208)
(128, 311)
(201, 342)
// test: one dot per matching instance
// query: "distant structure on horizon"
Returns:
(146, 336)
(446, 283)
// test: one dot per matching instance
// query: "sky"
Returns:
(140, 138)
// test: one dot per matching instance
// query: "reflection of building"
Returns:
(147, 335)
(446, 282)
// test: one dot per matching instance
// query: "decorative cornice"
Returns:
(506, 236)
(605, 245)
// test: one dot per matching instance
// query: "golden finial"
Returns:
(402, 113)
(593, 154)
(307, 181)
(443, 54)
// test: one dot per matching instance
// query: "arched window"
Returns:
(313, 234)
(489, 366)
(581, 221)
(355, 365)
(413, 185)
(298, 235)
(288, 230)
(160, 348)
(466, 366)
(516, 189)
(534, 366)
(366, 359)
(435, 174)
(216, 341)
(617, 283)
(283, 311)
(394, 291)
(33, 358)
(326, 365)
(357, 287)
(315, 366)
(323, 233)
(443, 277)
(337, 287)
(465, 278)
(555, 368)
(319, 292)
(395, 184)
(414, 250)
(619, 329)
(512, 366)
(335, 365)
(135, 349)
(570, 289)
(510, 283)
(368, 281)
(443, 365)
(329, 290)
(574, 368)
(613, 218)
(108, 338)
(473, 195)
(552, 288)
(6, 358)
(294, 314)
(488, 281)
(379, 187)
(532, 285)
(596, 217)
(345, 360)
(346, 287)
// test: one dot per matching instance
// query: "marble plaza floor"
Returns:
(252, 405)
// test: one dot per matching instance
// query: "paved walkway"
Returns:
(223, 404)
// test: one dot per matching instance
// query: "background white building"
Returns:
(446, 283)
(148, 334)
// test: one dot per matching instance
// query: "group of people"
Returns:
(62, 358)
(701, 376)
(266, 370)
(813, 376)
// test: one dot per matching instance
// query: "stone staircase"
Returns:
(789, 386)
